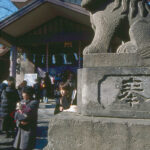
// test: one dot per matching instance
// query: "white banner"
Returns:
(30, 78)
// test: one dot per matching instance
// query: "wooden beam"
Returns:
(7, 37)
(47, 54)
(3, 50)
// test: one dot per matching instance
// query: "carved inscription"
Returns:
(129, 91)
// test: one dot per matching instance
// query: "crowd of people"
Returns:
(19, 106)
(41, 89)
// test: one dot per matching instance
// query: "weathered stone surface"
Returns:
(70, 131)
(114, 82)
(114, 92)
(115, 59)
(79, 94)
(121, 26)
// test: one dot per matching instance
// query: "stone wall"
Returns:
(70, 131)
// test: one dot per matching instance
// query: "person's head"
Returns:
(71, 75)
(11, 81)
(64, 89)
(5, 82)
(27, 93)
(24, 83)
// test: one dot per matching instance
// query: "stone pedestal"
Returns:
(71, 131)
(115, 59)
(112, 90)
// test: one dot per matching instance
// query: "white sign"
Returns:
(30, 78)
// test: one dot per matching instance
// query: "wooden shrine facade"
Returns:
(59, 35)
(45, 28)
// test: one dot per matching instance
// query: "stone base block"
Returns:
(71, 131)
(114, 59)
(114, 92)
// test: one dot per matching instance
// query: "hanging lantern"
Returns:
(67, 44)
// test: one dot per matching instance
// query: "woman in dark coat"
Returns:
(37, 90)
(26, 120)
(46, 88)
(3, 86)
(9, 98)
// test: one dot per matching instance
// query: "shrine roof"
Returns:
(39, 12)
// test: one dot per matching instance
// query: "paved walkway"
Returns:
(44, 113)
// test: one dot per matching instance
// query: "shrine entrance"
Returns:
(56, 45)
(46, 35)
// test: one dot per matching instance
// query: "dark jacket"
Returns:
(9, 98)
(37, 91)
(26, 135)
(20, 89)
(47, 88)
(2, 87)
(64, 102)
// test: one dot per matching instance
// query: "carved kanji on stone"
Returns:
(129, 92)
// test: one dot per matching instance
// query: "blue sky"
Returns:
(6, 9)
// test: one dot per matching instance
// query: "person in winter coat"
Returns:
(3, 86)
(26, 120)
(37, 90)
(9, 98)
(46, 87)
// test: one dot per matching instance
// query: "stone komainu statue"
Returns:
(121, 26)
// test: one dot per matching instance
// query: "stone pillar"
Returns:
(47, 54)
(26, 67)
(79, 54)
(13, 58)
